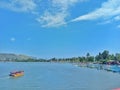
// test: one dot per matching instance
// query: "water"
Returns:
(56, 76)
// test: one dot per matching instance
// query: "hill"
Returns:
(14, 57)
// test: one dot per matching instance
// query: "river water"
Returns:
(56, 76)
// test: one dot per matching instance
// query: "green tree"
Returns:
(111, 57)
(91, 59)
(105, 54)
(117, 56)
(88, 54)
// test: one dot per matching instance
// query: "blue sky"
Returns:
(59, 28)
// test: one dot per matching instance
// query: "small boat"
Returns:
(16, 74)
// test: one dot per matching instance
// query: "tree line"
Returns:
(101, 57)
(104, 56)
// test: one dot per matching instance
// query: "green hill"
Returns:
(14, 57)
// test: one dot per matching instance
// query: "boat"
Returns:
(16, 73)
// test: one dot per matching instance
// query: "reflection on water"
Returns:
(56, 76)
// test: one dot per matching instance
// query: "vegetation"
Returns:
(102, 57)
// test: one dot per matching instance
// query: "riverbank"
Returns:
(111, 68)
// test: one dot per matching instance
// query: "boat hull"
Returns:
(16, 74)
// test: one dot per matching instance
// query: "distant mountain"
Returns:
(13, 57)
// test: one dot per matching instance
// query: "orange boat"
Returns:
(16, 74)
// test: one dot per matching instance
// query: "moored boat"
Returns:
(16, 74)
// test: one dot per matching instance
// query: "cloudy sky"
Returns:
(59, 28)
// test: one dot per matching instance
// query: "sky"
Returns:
(59, 28)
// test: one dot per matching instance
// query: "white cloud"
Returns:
(57, 13)
(106, 22)
(117, 18)
(64, 4)
(12, 39)
(19, 5)
(108, 10)
(49, 13)
(49, 20)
